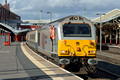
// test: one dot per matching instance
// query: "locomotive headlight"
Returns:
(62, 51)
(92, 51)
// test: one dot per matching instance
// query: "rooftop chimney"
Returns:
(7, 6)
(5, 2)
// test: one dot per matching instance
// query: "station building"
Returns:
(110, 27)
(9, 23)
(6, 16)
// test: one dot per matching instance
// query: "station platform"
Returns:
(113, 47)
(108, 56)
(18, 62)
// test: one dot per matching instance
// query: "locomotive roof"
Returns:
(71, 17)
(62, 19)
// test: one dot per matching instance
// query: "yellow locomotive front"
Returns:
(77, 43)
(79, 48)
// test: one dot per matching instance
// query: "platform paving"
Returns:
(52, 70)
(14, 65)
(109, 57)
(17, 62)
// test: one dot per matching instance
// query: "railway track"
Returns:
(84, 76)
(101, 74)
(111, 73)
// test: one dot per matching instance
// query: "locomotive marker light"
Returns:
(76, 18)
(65, 42)
(78, 49)
(91, 42)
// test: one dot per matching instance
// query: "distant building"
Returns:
(6, 14)
(33, 24)
(9, 23)
(8, 17)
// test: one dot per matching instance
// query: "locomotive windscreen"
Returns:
(76, 30)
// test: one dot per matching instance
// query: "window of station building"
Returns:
(17, 18)
(39, 23)
(44, 23)
(34, 24)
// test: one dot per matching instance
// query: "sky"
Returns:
(30, 9)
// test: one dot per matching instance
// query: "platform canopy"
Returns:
(9, 28)
(112, 15)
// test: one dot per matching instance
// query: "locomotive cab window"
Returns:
(76, 30)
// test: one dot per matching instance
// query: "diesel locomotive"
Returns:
(70, 40)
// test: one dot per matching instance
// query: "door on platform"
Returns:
(6, 38)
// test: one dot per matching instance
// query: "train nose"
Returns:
(92, 62)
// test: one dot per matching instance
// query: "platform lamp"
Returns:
(84, 11)
(41, 14)
(50, 16)
(100, 14)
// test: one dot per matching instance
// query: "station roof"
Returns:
(11, 29)
(108, 16)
